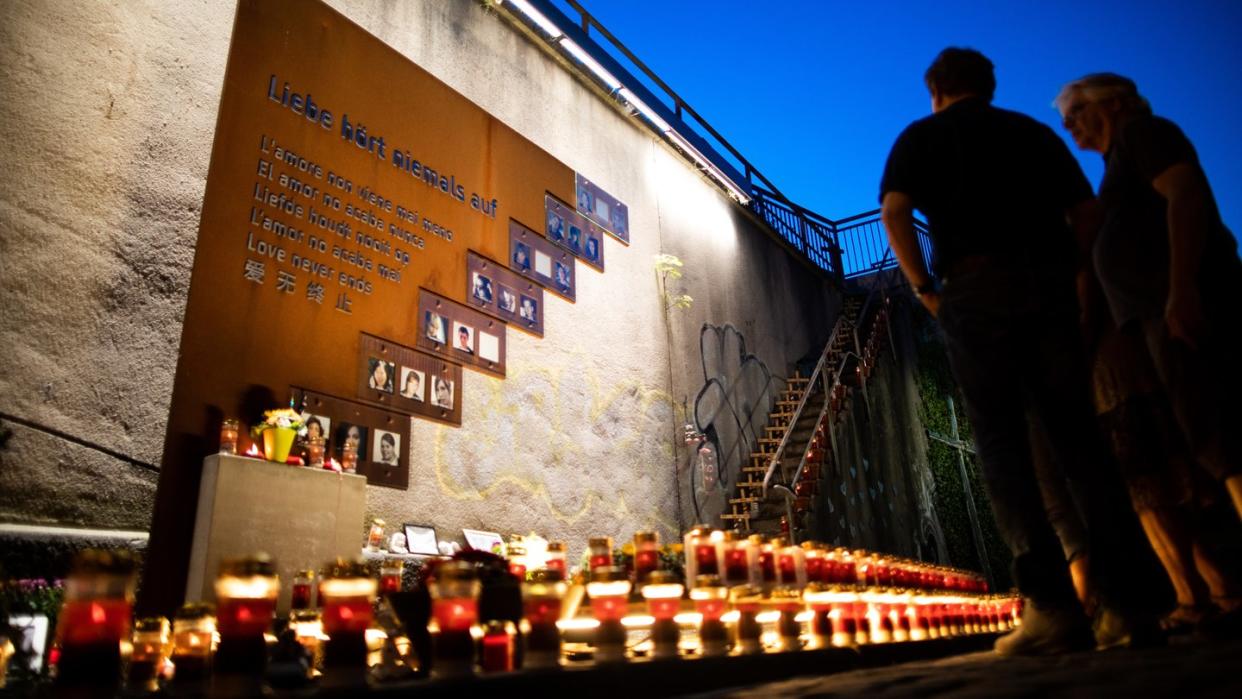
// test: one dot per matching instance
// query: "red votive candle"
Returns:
(454, 609)
(696, 544)
(303, 584)
(646, 554)
(600, 552)
(347, 606)
(193, 640)
(496, 654)
(748, 600)
(390, 576)
(246, 592)
(711, 598)
(94, 620)
(543, 596)
(151, 649)
(767, 560)
(557, 553)
(788, 601)
(814, 562)
(348, 597)
(832, 620)
(609, 591)
(741, 561)
(663, 595)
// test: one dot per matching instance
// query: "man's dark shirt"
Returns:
(1132, 249)
(990, 182)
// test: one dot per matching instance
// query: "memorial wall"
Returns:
(406, 215)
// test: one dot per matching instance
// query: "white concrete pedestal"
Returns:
(302, 517)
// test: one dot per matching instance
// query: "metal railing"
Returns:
(864, 244)
(845, 249)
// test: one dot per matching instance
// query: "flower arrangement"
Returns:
(283, 418)
(31, 596)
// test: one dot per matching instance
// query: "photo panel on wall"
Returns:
(425, 385)
(535, 257)
(602, 208)
(381, 436)
(509, 289)
(475, 339)
(573, 232)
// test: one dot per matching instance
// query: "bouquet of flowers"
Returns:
(286, 418)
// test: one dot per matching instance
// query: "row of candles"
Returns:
(737, 586)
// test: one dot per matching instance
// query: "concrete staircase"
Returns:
(777, 488)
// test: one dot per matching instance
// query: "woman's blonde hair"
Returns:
(1098, 87)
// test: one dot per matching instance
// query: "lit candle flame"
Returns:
(253, 451)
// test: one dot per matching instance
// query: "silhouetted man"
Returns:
(1000, 192)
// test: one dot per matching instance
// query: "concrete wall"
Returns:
(107, 124)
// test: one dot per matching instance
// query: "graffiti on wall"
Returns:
(731, 410)
(577, 450)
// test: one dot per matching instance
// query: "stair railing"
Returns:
(775, 461)
(879, 291)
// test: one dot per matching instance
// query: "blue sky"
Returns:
(813, 93)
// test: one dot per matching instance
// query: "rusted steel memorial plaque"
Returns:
(343, 180)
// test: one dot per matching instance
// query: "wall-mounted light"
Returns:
(554, 32)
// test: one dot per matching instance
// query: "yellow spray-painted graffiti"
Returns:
(566, 419)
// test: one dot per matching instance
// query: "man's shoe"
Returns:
(1047, 632)
(1114, 629)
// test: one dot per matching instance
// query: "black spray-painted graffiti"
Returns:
(731, 409)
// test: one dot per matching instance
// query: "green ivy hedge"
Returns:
(935, 382)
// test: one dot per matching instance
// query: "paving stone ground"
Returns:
(1185, 668)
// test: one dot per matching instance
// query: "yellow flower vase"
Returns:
(277, 441)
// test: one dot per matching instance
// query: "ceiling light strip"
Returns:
(556, 36)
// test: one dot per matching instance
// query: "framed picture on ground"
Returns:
(421, 540)
(484, 541)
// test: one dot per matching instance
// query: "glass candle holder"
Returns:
(663, 594)
(94, 620)
(609, 591)
(391, 571)
(748, 601)
(741, 562)
(558, 552)
(846, 567)
(375, 535)
(599, 552)
(151, 649)
(899, 603)
(787, 600)
(767, 561)
(314, 452)
(193, 643)
(497, 647)
(516, 550)
(348, 596)
(349, 456)
(303, 588)
(711, 598)
(833, 622)
(246, 591)
(229, 427)
(454, 611)
(543, 595)
(702, 546)
(791, 566)
(307, 627)
(646, 554)
(813, 555)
